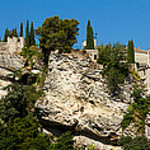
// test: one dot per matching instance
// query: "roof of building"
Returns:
(140, 50)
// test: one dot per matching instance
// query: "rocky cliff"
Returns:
(77, 98)
(9, 62)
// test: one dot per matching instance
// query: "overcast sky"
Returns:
(112, 20)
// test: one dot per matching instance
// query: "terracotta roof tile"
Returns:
(140, 50)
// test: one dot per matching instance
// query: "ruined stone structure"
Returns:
(12, 45)
(9, 52)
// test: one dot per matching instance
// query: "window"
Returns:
(95, 57)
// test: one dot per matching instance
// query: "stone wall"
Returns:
(12, 45)
(142, 58)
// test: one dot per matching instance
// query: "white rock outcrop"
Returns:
(77, 98)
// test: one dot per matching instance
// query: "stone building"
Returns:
(142, 57)
(93, 54)
(12, 45)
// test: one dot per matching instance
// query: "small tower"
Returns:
(93, 54)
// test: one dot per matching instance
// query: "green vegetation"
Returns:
(138, 143)
(21, 29)
(65, 142)
(115, 66)
(137, 111)
(91, 147)
(14, 33)
(57, 34)
(89, 37)
(32, 40)
(11, 34)
(27, 39)
(31, 53)
(130, 52)
(19, 126)
(7, 34)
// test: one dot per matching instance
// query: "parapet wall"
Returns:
(12, 45)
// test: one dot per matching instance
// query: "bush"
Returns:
(138, 143)
(65, 142)
(115, 66)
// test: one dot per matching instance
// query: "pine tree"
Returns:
(32, 40)
(21, 29)
(89, 37)
(57, 34)
(27, 40)
(130, 52)
(7, 34)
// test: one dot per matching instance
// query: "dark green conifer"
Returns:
(89, 37)
(32, 40)
(27, 40)
(14, 33)
(130, 52)
(7, 34)
(21, 29)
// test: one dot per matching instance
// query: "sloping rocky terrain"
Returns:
(77, 98)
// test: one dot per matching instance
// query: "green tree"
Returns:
(115, 65)
(14, 33)
(56, 33)
(32, 40)
(7, 34)
(89, 37)
(27, 40)
(21, 29)
(130, 52)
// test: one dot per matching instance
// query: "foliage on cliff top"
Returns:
(115, 65)
(31, 55)
(89, 36)
(130, 52)
(56, 33)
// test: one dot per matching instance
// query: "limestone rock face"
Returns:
(8, 62)
(77, 98)
(13, 60)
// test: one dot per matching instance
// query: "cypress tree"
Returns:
(27, 41)
(130, 52)
(21, 29)
(32, 40)
(14, 33)
(89, 37)
(7, 34)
